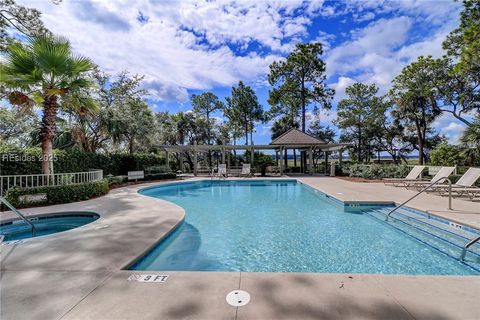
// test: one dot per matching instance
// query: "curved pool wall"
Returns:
(45, 224)
(286, 226)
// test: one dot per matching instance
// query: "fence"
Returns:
(41, 180)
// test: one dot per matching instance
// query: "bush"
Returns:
(57, 194)
(157, 169)
(17, 161)
(112, 180)
(376, 171)
(446, 155)
(161, 176)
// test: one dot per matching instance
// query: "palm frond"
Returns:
(52, 54)
(80, 64)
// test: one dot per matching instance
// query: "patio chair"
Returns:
(413, 175)
(464, 185)
(441, 177)
(222, 170)
(246, 170)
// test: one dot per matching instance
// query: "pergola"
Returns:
(292, 139)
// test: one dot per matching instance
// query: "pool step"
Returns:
(431, 232)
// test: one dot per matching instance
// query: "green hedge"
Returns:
(375, 171)
(16, 161)
(117, 180)
(58, 194)
(161, 176)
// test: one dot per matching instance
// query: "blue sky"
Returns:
(185, 47)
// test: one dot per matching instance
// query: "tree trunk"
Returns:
(209, 139)
(131, 145)
(304, 102)
(420, 151)
(421, 141)
(359, 144)
(246, 131)
(234, 152)
(47, 132)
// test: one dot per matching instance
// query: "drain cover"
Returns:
(238, 298)
(103, 226)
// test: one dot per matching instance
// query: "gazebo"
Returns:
(291, 139)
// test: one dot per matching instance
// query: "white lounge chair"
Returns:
(441, 177)
(464, 185)
(222, 170)
(246, 170)
(413, 175)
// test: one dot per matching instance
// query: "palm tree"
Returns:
(41, 72)
(471, 141)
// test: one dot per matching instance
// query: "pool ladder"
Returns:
(422, 191)
(467, 245)
(11, 207)
(470, 242)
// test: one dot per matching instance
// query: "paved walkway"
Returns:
(78, 274)
(464, 211)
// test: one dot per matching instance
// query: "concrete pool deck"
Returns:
(78, 274)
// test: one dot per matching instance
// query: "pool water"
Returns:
(45, 225)
(284, 226)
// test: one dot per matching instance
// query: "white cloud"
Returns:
(326, 40)
(367, 16)
(340, 86)
(450, 127)
(378, 52)
(188, 45)
(185, 44)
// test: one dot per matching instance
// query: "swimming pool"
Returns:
(285, 226)
(45, 225)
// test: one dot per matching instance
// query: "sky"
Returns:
(187, 47)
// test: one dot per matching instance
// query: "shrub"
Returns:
(376, 171)
(112, 180)
(57, 194)
(445, 155)
(17, 161)
(161, 176)
(157, 169)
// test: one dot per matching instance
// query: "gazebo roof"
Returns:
(296, 137)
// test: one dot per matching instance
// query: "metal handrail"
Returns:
(468, 245)
(11, 207)
(423, 190)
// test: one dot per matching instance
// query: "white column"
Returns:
(310, 161)
(180, 158)
(223, 152)
(281, 161)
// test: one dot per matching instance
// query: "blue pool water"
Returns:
(45, 225)
(285, 226)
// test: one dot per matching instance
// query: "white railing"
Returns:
(41, 180)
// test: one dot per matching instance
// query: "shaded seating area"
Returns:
(292, 139)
